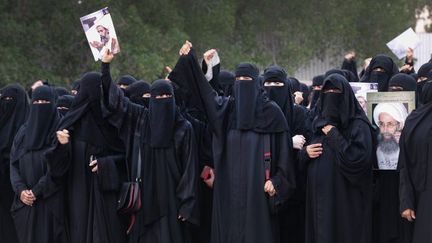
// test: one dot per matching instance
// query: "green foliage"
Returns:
(43, 39)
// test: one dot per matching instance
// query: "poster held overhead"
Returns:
(400, 44)
(100, 33)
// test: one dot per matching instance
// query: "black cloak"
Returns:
(14, 106)
(45, 220)
(339, 181)
(166, 143)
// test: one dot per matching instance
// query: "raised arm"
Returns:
(119, 111)
(188, 75)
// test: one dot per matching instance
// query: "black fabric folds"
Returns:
(226, 82)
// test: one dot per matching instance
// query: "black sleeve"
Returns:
(117, 109)
(283, 171)
(353, 153)
(351, 66)
(406, 188)
(188, 75)
(187, 187)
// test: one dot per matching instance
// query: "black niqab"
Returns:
(42, 119)
(280, 94)
(64, 101)
(162, 114)
(317, 81)
(251, 104)
(136, 91)
(14, 106)
(382, 78)
(348, 108)
(405, 81)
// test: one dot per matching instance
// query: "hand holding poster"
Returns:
(100, 33)
(400, 44)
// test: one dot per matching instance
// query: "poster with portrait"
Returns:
(100, 33)
(361, 90)
(388, 112)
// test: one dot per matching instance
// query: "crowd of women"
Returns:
(207, 155)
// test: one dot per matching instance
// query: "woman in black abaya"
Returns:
(14, 106)
(380, 70)
(38, 208)
(415, 188)
(339, 168)
(94, 164)
(388, 227)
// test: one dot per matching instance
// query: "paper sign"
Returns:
(400, 44)
(100, 33)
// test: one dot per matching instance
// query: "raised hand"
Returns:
(185, 49)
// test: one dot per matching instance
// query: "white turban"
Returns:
(396, 110)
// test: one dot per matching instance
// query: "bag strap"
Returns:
(138, 177)
(267, 156)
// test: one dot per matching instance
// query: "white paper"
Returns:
(107, 39)
(400, 44)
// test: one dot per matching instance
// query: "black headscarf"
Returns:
(253, 109)
(162, 114)
(305, 94)
(424, 70)
(350, 77)
(42, 120)
(76, 85)
(136, 91)
(338, 109)
(295, 85)
(382, 78)
(316, 81)
(64, 101)
(405, 81)
(85, 115)
(417, 127)
(61, 91)
(226, 82)
(126, 80)
(281, 95)
(14, 106)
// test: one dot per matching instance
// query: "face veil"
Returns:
(162, 114)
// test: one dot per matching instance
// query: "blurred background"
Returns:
(43, 39)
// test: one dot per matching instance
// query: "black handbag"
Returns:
(129, 201)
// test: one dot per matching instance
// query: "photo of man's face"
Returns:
(390, 133)
(104, 33)
(363, 103)
(390, 118)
